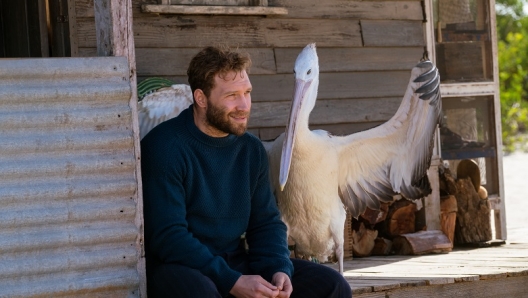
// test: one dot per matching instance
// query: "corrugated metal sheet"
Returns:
(67, 179)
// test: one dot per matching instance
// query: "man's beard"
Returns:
(220, 119)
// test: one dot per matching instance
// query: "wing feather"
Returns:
(162, 105)
(393, 157)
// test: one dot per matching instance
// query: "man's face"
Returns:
(229, 104)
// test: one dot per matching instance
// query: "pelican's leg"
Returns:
(339, 252)
(338, 233)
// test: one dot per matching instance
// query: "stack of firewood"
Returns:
(399, 227)
(470, 200)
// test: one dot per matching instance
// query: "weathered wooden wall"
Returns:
(366, 51)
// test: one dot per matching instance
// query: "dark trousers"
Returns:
(310, 280)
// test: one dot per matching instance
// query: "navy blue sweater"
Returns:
(201, 194)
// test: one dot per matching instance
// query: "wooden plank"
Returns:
(346, 85)
(473, 268)
(379, 283)
(307, 9)
(246, 32)
(72, 28)
(273, 114)
(105, 28)
(432, 201)
(87, 52)
(310, 9)
(115, 38)
(210, 2)
(387, 33)
(376, 285)
(213, 10)
(174, 62)
(43, 28)
(353, 59)
(334, 85)
(505, 287)
(85, 8)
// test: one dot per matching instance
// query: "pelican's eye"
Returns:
(309, 71)
(294, 71)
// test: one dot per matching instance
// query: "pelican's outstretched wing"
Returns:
(162, 105)
(393, 157)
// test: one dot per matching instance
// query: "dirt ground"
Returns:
(515, 167)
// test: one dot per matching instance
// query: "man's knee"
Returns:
(316, 280)
(172, 280)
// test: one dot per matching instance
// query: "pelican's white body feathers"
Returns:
(325, 173)
(162, 105)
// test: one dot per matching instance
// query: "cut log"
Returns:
(447, 182)
(363, 241)
(375, 216)
(473, 216)
(422, 242)
(468, 168)
(483, 193)
(448, 212)
(382, 247)
(400, 219)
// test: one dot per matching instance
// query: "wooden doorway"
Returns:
(31, 28)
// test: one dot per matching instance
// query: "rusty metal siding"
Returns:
(67, 179)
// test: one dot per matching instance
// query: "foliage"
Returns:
(512, 29)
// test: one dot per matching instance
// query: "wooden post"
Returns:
(432, 202)
(115, 37)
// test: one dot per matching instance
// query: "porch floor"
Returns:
(498, 271)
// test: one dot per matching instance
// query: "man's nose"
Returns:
(244, 102)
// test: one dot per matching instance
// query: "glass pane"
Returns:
(468, 132)
(463, 40)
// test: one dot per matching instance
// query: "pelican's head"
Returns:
(306, 72)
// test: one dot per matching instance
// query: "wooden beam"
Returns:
(357, 10)
(213, 10)
(392, 33)
(113, 24)
(250, 32)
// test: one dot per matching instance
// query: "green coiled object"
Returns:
(150, 85)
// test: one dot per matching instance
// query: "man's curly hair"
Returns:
(211, 61)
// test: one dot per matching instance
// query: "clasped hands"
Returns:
(254, 286)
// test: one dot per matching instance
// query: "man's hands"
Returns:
(254, 286)
(283, 284)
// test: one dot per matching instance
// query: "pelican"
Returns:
(316, 175)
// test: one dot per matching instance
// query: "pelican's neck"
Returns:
(303, 120)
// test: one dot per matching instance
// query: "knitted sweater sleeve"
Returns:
(166, 232)
(266, 234)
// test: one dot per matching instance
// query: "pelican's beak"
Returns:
(299, 94)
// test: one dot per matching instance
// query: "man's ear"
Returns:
(200, 98)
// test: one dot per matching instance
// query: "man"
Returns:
(205, 183)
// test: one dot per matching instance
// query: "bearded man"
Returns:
(205, 183)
